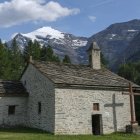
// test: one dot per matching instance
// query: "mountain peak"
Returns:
(44, 32)
(46, 29)
(15, 35)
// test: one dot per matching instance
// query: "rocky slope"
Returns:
(132, 53)
(119, 42)
(62, 43)
(115, 39)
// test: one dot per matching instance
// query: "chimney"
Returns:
(31, 59)
(94, 56)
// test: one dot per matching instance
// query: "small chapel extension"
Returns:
(76, 99)
(13, 104)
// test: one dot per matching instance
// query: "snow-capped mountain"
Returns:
(118, 41)
(62, 43)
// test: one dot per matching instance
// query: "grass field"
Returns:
(33, 134)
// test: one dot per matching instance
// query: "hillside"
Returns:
(119, 43)
(115, 40)
(62, 43)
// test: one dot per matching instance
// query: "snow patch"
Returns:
(113, 35)
(45, 32)
(79, 43)
(132, 30)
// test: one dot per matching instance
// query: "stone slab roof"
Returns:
(12, 88)
(80, 75)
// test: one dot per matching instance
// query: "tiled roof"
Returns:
(12, 88)
(80, 75)
(94, 46)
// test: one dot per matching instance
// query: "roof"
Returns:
(12, 88)
(80, 75)
(94, 46)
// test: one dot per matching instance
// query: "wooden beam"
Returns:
(132, 103)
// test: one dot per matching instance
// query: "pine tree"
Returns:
(66, 59)
(17, 64)
(103, 60)
(36, 49)
(28, 51)
(43, 52)
(7, 65)
(55, 59)
(32, 49)
(1, 57)
(5, 62)
(49, 53)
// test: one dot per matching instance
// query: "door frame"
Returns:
(100, 123)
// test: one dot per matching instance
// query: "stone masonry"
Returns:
(67, 99)
(69, 111)
(40, 89)
(74, 108)
(19, 118)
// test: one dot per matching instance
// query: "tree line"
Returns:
(131, 71)
(13, 60)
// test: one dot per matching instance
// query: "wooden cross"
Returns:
(114, 105)
(132, 103)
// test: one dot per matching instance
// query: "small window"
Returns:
(96, 106)
(11, 110)
(39, 107)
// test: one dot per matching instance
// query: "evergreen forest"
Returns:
(13, 60)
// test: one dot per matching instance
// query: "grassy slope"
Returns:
(31, 134)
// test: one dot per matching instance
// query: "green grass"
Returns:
(33, 134)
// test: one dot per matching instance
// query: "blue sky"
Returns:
(79, 17)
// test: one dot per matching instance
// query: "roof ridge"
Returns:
(60, 63)
(80, 74)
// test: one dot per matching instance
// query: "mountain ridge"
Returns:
(113, 41)
(61, 42)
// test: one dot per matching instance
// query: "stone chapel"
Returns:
(66, 98)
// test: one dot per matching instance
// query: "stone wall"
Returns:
(69, 111)
(19, 118)
(40, 89)
(96, 62)
(74, 108)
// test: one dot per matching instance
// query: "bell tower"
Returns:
(94, 56)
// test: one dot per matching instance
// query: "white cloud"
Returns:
(18, 11)
(92, 18)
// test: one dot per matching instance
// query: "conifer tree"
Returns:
(66, 59)
(17, 63)
(1, 57)
(43, 53)
(103, 60)
(5, 62)
(28, 51)
(47, 54)
(36, 49)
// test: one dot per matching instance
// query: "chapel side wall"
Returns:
(17, 119)
(40, 89)
(74, 108)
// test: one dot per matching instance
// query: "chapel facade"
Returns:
(67, 99)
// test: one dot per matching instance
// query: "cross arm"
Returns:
(116, 104)
(128, 93)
